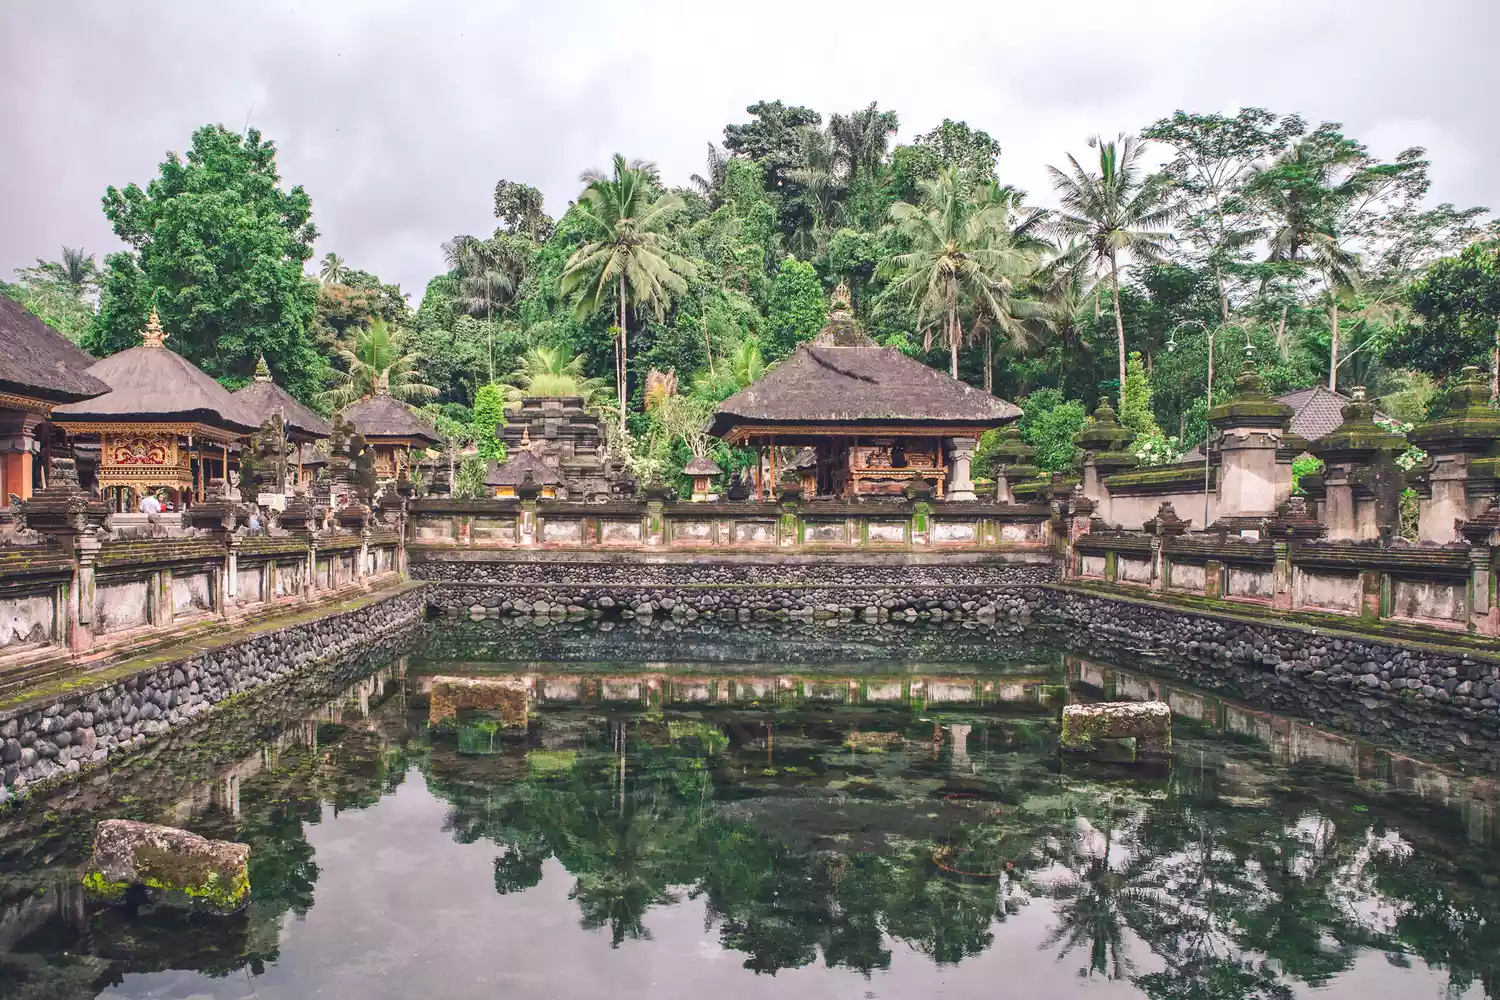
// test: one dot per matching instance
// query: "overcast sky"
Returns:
(398, 118)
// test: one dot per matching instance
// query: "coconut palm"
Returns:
(1116, 210)
(962, 249)
(861, 137)
(628, 255)
(1062, 290)
(378, 365)
(747, 364)
(550, 370)
(332, 271)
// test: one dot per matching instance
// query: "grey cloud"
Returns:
(398, 118)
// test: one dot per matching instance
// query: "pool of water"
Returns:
(768, 812)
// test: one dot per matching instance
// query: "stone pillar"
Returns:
(1281, 577)
(1164, 526)
(1012, 463)
(81, 603)
(960, 480)
(231, 586)
(1468, 431)
(1362, 483)
(1106, 450)
(1249, 429)
(527, 523)
(1483, 535)
(18, 450)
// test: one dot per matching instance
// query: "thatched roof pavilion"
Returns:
(152, 424)
(393, 430)
(262, 398)
(504, 477)
(42, 370)
(874, 416)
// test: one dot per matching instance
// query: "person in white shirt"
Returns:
(150, 505)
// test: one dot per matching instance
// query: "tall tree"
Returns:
(1319, 195)
(218, 247)
(958, 250)
(520, 209)
(861, 138)
(629, 254)
(1113, 211)
(333, 270)
(489, 274)
(1216, 155)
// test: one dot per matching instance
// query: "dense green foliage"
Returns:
(1259, 227)
(217, 247)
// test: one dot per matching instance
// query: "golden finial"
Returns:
(262, 370)
(526, 436)
(153, 335)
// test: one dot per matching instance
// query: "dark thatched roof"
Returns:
(865, 384)
(385, 416)
(512, 472)
(262, 399)
(152, 383)
(41, 363)
(701, 467)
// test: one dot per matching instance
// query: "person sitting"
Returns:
(150, 504)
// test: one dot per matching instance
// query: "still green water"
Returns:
(768, 812)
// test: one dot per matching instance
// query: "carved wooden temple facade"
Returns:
(164, 424)
(873, 418)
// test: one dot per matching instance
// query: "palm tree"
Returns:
(961, 248)
(76, 272)
(711, 185)
(378, 366)
(333, 270)
(861, 137)
(550, 370)
(747, 364)
(489, 275)
(1306, 191)
(1115, 210)
(1062, 290)
(629, 255)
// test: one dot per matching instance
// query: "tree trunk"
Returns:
(953, 342)
(1114, 291)
(1281, 341)
(1223, 296)
(989, 362)
(1495, 372)
(1333, 348)
(624, 357)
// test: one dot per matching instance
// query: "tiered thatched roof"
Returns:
(263, 397)
(383, 418)
(844, 378)
(512, 472)
(151, 384)
(40, 363)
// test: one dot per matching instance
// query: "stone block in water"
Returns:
(1148, 723)
(169, 863)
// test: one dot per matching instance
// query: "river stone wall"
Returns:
(868, 587)
(1445, 704)
(90, 725)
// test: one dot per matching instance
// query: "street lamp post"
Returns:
(1212, 332)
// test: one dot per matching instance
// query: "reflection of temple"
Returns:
(873, 418)
(558, 433)
(164, 424)
(41, 371)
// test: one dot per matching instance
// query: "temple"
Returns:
(42, 371)
(393, 431)
(873, 418)
(164, 424)
(303, 428)
(558, 441)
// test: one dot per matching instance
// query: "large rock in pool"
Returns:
(1148, 723)
(172, 863)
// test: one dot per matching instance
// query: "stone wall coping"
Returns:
(1405, 634)
(84, 684)
(420, 553)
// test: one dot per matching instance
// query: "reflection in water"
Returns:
(906, 823)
